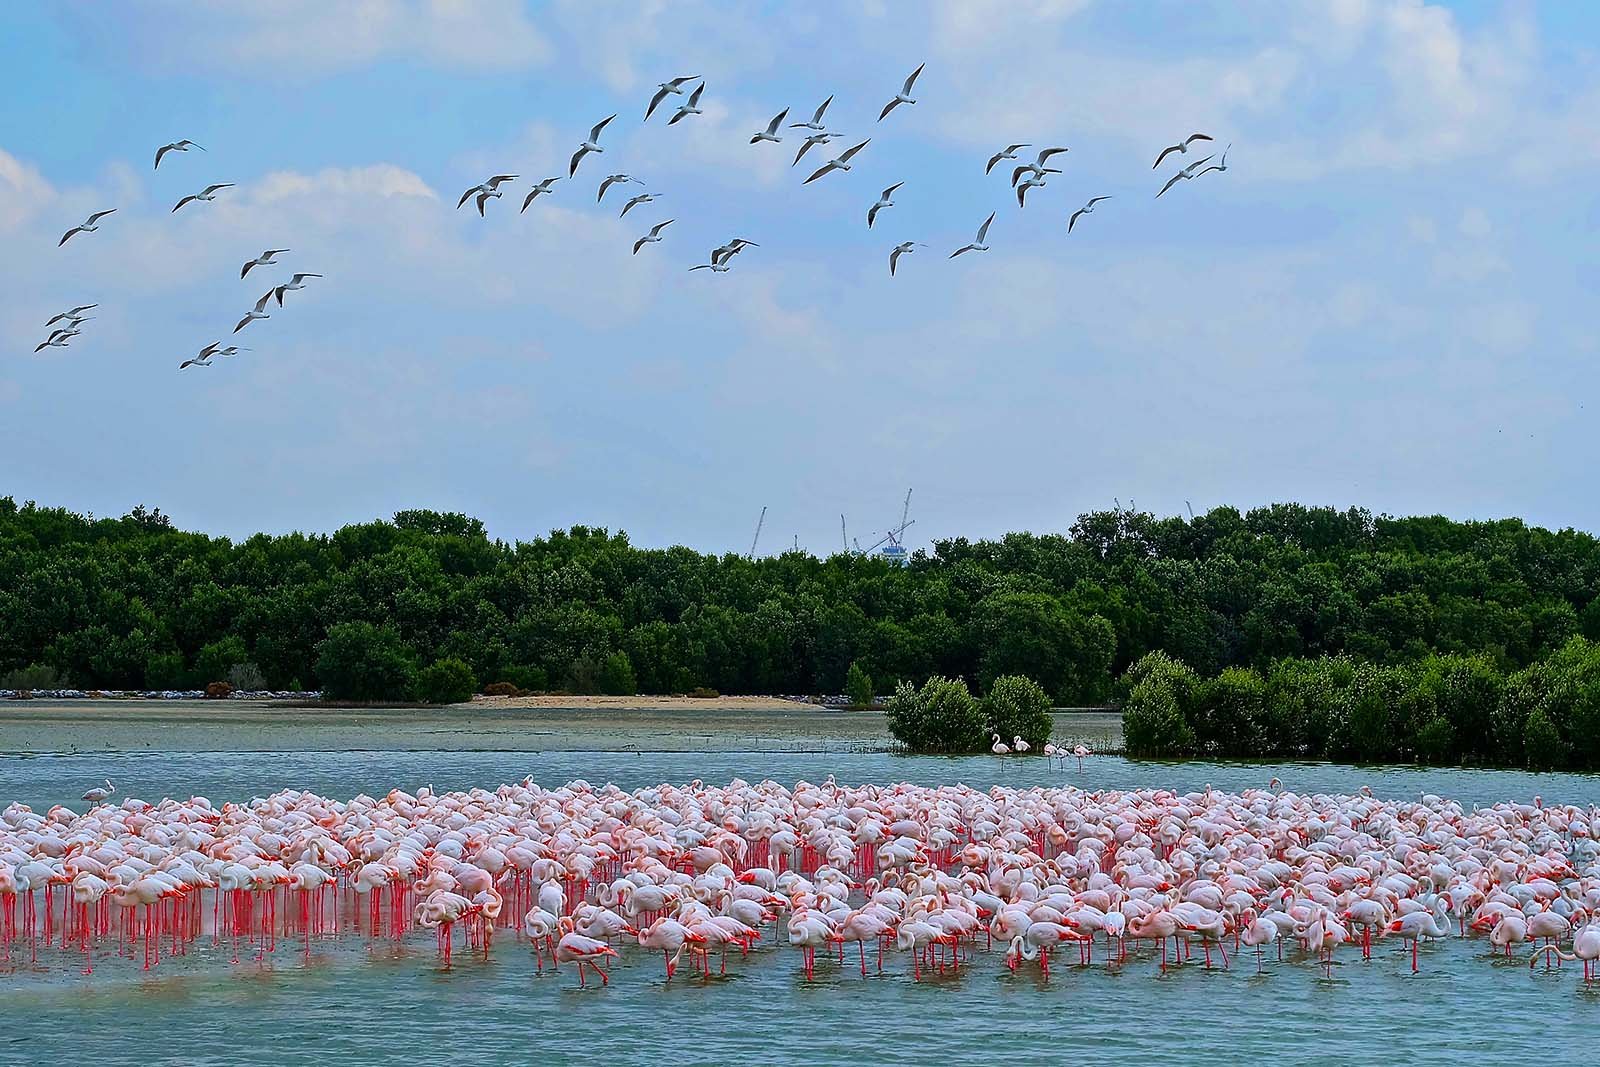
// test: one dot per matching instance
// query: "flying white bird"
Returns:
(611, 180)
(89, 225)
(1184, 175)
(201, 358)
(591, 145)
(1087, 209)
(816, 119)
(642, 198)
(70, 330)
(771, 132)
(653, 236)
(1008, 152)
(294, 284)
(904, 248)
(1037, 168)
(490, 188)
(1182, 147)
(176, 146)
(1031, 183)
(718, 266)
(208, 194)
(732, 248)
(262, 260)
(903, 96)
(977, 245)
(692, 107)
(72, 314)
(58, 339)
(260, 311)
(814, 139)
(1221, 165)
(542, 187)
(883, 202)
(664, 89)
(231, 350)
(842, 163)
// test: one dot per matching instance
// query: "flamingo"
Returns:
(1416, 925)
(999, 748)
(95, 794)
(1585, 947)
(584, 951)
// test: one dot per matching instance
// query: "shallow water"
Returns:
(361, 1005)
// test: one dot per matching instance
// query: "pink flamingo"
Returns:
(584, 951)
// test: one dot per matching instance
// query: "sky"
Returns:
(1386, 300)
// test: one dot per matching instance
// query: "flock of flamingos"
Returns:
(578, 874)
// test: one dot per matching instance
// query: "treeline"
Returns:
(1445, 709)
(133, 602)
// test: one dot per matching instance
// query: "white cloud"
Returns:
(23, 190)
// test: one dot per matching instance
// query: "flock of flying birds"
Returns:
(72, 319)
(1026, 176)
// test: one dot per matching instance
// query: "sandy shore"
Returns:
(524, 724)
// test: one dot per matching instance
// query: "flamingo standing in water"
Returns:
(584, 951)
(1019, 745)
(1257, 933)
(1082, 752)
(669, 937)
(999, 748)
(1585, 947)
(96, 794)
(1416, 925)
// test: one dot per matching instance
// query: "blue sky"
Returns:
(1385, 300)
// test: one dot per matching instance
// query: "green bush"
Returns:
(858, 686)
(1018, 707)
(1153, 723)
(37, 676)
(1436, 741)
(1542, 742)
(1369, 704)
(446, 681)
(943, 716)
(1229, 717)
(616, 676)
(1306, 706)
(216, 659)
(164, 670)
(1155, 715)
(360, 661)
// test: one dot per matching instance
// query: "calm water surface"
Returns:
(352, 1005)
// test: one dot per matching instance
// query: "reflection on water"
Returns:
(348, 1004)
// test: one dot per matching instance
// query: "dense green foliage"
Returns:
(1018, 707)
(446, 681)
(943, 716)
(1441, 709)
(360, 661)
(858, 686)
(131, 602)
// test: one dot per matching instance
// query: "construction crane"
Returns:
(843, 536)
(893, 542)
(759, 523)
